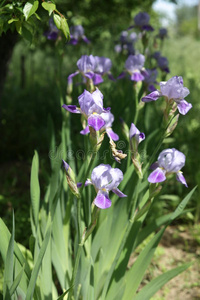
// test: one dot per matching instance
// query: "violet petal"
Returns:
(85, 131)
(102, 200)
(183, 107)
(71, 108)
(112, 134)
(181, 178)
(118, 193)
(158, 175)
(96, 122)
(152, 96)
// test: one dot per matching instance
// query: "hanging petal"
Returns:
(72, 108)
(97, 79)
(181, 178)
(85, 131)
(118, 193)
(158, 175)
(96, 122)
(102, 200)
(137, 76)
(71, 76)
(152, 96)
(111, 134)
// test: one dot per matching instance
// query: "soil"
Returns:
(178, 247)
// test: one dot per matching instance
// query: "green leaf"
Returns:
(65, 28)
(139, 267)
(12, 20)
(35, 188)
(35, 271)
(157, 283)
(8, 273)
(17, 280)
(50, 7)
(57, 20)
(29, 9)
(65, 293)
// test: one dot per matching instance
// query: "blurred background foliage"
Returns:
(35, 79)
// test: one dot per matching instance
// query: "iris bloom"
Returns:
(77, 34)
(134, 65)
(91, 106)
(169, 161)
(93, 67)
(52, 33)
(172, 90)
(126, 42)
(150, 79)
(104, 178)
(141, 21)
(108, 118)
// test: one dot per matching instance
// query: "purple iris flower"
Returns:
(91, 106)
(126, 42)
(141, 21)
(77, 34)
(52, 33)
(92, 67)
(163, 64)
(150, 79)
(162, 33)
(104, 178)
(172, 90)
(108, 119)
(169, 161)
(134, 65)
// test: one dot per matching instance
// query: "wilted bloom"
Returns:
(71, 179)
(150, 79)
(141, 21)
(169, 161)
(92, 67)
(104, 178)
(91, 106)
(53, 31)
(77, 34)
(108, 118)
(136, 137)
(134, 65)
(172, 90)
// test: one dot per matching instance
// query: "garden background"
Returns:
(31, 87)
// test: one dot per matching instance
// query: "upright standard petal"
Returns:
(102, 200)
(158, 175)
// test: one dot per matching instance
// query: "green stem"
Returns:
(78, 255)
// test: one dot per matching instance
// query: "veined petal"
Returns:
(85, 131)
(118, 193)
(97, 79)
(71, 108)
(137, 76)
(152, 96)
(158, 175)
(96, 122)
(89, 75)
(183, 107)
(181, 178)
(112, 134)
(102, 200)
